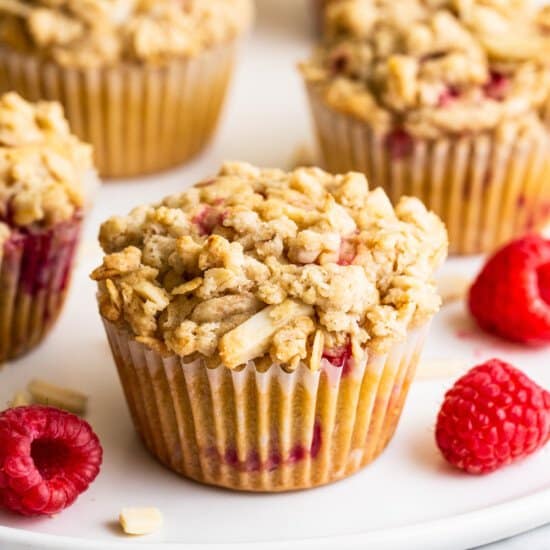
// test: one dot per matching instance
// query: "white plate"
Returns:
(409, 497)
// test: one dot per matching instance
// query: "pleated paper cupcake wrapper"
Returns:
(487, 191)
(35, 272)
(139, 118)
(264, 431)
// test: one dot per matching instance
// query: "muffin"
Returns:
(266, 326)
(43, 171)
(441, 100)
(143, 81)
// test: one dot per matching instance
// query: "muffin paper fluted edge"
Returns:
(139, 118)
(35, 272)
(264, 431)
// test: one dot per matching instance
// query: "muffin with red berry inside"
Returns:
(43, 172)
(266, 325)
(441, 101)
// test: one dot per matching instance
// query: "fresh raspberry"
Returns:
(47, 458)
(494, 415)
(511, 296)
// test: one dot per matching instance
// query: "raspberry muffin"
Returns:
(142, 80)
(43, 170)
(266, 326)
(440, 100)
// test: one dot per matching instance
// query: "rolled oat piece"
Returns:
(447, 101)
(143, 81)
(44, 172)
(266, 326)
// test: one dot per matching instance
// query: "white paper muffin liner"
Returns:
(35, 273)
(486, 190)
(264, 431)
(139, 118)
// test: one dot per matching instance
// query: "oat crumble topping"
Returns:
(435, 67)
(266, 265)
(42, 164)
(90, 33)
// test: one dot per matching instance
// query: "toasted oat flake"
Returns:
(57, 396)
(317, 351)
(140, 521)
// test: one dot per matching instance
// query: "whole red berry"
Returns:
(47, 458)
(492, 416)
(511, 296)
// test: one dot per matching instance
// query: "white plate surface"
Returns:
(408, 498)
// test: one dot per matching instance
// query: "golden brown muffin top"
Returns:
(434, 66)
(271, 266)
(41, 164)
(91, 33)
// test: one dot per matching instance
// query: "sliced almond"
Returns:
(140, 521)
(252, 338)
(114, 294)
(57, 396)
(453, 288)
(20, 399)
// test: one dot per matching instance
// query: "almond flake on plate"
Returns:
(20, 399)
(432, 369)
(64, 398)
(453, 288)
(140, 521)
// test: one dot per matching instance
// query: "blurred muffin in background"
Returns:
(142, 80)
(43, 172)
(442, 100)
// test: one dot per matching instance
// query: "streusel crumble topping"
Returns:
(266, 264)
(434, 67)
(42, 165)
(90, 33)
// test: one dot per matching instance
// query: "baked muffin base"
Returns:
(486, 190)
(264, 431)
(35, 273)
